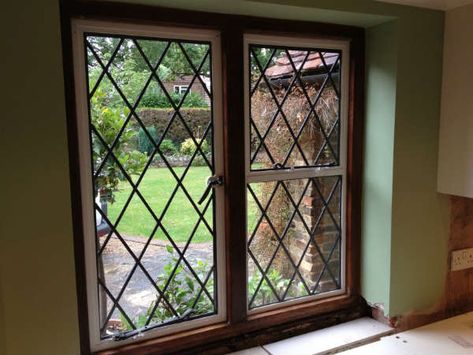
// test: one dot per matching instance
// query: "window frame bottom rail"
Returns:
(270, 326)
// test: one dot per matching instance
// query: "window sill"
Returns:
(449, 336)
(326, 341)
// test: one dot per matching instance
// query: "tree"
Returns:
(108, 121)
(130, 70)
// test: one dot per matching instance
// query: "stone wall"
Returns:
(325, 236)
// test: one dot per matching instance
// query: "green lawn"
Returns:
(179, 219)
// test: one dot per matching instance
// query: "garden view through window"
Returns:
(151, 132)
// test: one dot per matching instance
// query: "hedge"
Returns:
(197, 119)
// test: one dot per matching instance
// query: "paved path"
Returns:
(140, 292)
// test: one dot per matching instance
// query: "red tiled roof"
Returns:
(283, 66)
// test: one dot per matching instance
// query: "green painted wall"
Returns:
(420, 218)
(36, 252)
(404, 221)
(381, 61)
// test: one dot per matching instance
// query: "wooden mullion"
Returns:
(234, 157)
(354, 164)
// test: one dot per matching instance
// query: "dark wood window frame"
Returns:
(239, 330)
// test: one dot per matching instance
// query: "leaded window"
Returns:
(150, 123)
(296, 169)
(154, 250)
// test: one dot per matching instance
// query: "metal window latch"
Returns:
(212, 182)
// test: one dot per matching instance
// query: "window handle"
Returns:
(212, 182)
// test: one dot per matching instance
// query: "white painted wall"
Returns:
(455, 172)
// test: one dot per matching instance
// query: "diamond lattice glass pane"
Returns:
(100, 53)
(136, 220)
(130, 71)
(117, 321)
(294, 249)
(117, 264)
(113, 190)
(137, 297)
(153, 51)
(152, 148)
(294, 107)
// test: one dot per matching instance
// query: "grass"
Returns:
(179, 219)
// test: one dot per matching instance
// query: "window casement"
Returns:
(296, 132)
(147, 272)
(194, 225)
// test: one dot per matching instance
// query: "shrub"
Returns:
(197, 120)
(168, 147)
(161, 101)
(183, 293)
(194, 100)
(266, 294)
(144, 143)
(158, 101)
(188, 146)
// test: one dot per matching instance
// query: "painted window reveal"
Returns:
(295, 170)
(155, 245)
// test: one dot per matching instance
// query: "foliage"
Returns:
(131, 71)
(167, 147)
(265, 293)
(108, 122)
(145, 145)
(174, 59)
(196, 119)
(160, 100)
(188, 147)
(183, 293)
(263, 55)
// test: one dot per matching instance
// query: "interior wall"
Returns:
(36, 252)
(381, 61)
(458, 288)
(420, 218)
(455, 168)
(460, 283)
(456, 146)
(37, 276)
